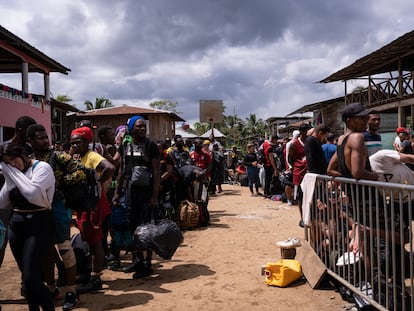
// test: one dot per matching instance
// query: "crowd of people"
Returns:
(139, 180)
(142, 180)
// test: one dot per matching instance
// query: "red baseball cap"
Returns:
(401, 130)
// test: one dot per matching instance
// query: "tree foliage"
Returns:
(100, 103)
(237, 131)
(63, 99)
(168, 105)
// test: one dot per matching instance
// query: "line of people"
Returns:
(139, 180)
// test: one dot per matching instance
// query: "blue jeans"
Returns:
(253, 178)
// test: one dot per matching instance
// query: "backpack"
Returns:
(81, 196)
(84, 196)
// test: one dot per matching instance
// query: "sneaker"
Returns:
(143, 270)
(259, 193)
(301, 224)
(131, 267)
(115, 266)
(93, 285)
(289, 243)
(289, 203)
(71, 301)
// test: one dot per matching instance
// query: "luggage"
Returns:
(163, 238)
(189, 215)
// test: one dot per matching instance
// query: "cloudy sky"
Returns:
(260, 57)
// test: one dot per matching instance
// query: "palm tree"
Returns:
(100, 103)
(63, 98)
(231, 128)
(256, 128)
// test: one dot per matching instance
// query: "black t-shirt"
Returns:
(249, 158)
(187, 174)
(407, 149)
(315, 157)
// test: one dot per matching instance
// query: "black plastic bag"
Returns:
(163, 238)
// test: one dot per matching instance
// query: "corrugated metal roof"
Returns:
(127, 110)
(315, 106)
(399, 54)
(12, 48)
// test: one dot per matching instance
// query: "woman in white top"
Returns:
(28, 191)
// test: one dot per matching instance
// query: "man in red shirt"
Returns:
(297, 159)
(269, 164)
(200, 158)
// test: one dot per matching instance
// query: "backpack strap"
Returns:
(35, 164)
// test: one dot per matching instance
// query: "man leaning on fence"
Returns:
(351, 158)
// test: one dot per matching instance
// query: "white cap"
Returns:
(295, 134)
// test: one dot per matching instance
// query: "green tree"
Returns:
(231, 127)
(63, 99)
(100, 103)
(168, 105)
(201, 128)
(256, 127)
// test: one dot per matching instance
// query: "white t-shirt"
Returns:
(388, 165)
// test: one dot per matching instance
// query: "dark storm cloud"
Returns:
(260, 57)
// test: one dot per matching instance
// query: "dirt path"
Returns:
(216, 268)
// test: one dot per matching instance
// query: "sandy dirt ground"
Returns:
(216, 268)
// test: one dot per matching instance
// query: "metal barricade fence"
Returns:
(362, 232)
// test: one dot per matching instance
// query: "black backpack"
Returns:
(84, 196)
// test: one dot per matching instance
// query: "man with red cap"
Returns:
(90, 223)
(404, 145)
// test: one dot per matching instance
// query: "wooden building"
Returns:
(161, 123)
(386, 84)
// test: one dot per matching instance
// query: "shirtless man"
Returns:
(351, 159)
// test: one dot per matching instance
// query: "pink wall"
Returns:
(11, 110)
